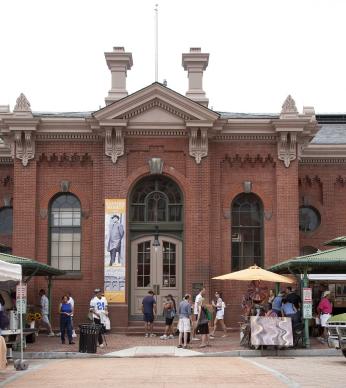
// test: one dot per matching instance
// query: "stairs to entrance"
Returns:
(137, 328)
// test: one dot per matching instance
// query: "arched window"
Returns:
(65, 232)
(247, 231)
(6, 221)
(156, 199)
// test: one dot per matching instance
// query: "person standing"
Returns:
(277, 304)
(203, 324)
(44, 304)
(293, 297)
(169, 311)
(115, 235)
(66, 313)
(184, 323)
(149, 313)
(71, 301)
(325, 309)
(219, 306)
(198, 301)
(99, 307)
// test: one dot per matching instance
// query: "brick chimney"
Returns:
(195, 62)
(118, 62)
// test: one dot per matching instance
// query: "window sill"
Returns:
(70, 275)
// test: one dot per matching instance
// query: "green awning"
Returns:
(322, 262)
(31, 267)
(338, 242)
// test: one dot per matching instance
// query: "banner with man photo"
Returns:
(115, 250)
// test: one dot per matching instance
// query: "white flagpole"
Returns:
(156, 42)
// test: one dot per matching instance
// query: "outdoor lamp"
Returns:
(156, 242)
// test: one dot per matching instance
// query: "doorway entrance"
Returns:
(157, 268)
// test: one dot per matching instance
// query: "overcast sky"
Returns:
(260, 51)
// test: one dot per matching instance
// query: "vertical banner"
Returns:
(115, 250)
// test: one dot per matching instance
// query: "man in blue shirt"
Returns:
(149, 313)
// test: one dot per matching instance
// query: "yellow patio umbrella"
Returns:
(255, 273)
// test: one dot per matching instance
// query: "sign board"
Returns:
(307, 310)
(307, 295)
(21, 291)
(307, 303)
(21, 306)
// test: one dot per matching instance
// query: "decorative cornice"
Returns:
(287, 147)
(198, 143)
(309, 180)
(322, 160)
(152, 104)
(155, 132)
(6, 160)
(245, 137)
(238, 160)
(68, 136)
(24, 145)
(114, 143)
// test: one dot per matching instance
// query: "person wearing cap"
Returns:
(99, 307)
(325, 309)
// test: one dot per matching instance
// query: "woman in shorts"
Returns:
(169, 311)
(219, 306)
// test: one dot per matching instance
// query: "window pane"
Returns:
(6, 221)
(65, 263)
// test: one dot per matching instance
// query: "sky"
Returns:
(260, 51)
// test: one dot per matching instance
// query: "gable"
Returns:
(156, 115)
(156, 102)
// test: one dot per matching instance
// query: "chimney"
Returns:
(118, 62)
(195, 62)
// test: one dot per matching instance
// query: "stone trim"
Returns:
(154, 132)
(322, 161)
(114, 143)
(247, 159)
(152, 104)
(198, 143)
(240, 137)
(6, 160)
(287, 147)
(67, 136)
(24, 145)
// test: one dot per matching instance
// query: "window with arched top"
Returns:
(156, 199)
(65, 232)
(247, 231)
(6, 221)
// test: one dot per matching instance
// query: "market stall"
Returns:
(13, 273)
(320, 265)
(257, 330)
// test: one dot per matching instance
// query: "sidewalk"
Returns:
(120, 345)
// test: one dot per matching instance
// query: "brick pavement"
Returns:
(121, 341)
(145, 373)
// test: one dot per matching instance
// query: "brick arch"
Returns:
(50, 194)
(168, 171)
(232, 194)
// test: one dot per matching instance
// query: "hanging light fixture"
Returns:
(156, 242)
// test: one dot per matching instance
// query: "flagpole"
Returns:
(156, 42)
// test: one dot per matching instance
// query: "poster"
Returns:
(271, 331)
(115, 250)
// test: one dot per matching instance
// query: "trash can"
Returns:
(88, 334)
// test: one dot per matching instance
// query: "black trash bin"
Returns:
(88, 334)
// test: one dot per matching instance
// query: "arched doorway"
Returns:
(156, 227)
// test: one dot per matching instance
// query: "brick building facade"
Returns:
(250, 188)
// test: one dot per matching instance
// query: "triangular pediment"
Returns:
(156, 103)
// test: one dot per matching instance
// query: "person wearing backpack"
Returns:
(169, 311)
(203, 319)
(219, 306)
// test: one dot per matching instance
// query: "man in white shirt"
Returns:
(71, 302)
(44, 304)
(198, 301)
(99, 308)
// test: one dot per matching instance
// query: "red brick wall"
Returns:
(209, 189)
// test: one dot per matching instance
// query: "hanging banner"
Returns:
(115, 250)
